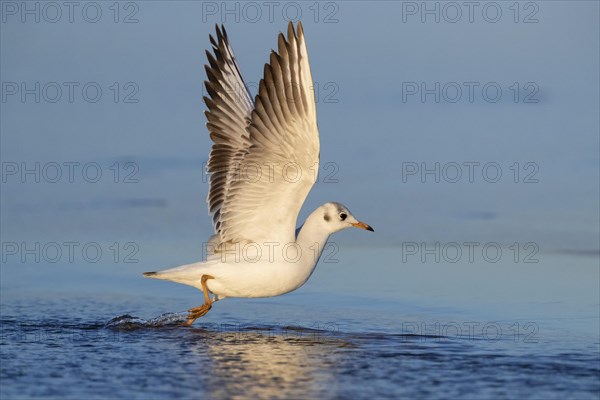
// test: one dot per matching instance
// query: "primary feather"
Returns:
(265, 156)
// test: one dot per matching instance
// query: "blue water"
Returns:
(366, 326)
(398, 313)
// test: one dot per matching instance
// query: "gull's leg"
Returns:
(198, 312)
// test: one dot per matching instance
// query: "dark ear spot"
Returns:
(326, 217)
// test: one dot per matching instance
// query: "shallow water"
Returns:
(323, 341)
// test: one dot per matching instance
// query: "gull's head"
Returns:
(336, 216)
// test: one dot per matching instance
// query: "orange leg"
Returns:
(198, 312)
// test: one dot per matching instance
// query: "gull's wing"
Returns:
(228, 115)
(270, 179)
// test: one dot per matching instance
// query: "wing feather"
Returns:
(279, 167)
(229, 110)
(266, 153)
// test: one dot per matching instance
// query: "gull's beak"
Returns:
(362, 225)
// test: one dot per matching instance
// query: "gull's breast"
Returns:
(260, 279)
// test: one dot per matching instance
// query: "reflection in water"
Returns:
(269, 362)
(136, 358)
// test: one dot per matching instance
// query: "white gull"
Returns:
(262, 166)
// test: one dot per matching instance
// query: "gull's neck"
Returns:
(312, 238)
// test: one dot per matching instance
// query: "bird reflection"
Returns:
(268, 362)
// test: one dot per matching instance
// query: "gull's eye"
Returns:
(343, 216)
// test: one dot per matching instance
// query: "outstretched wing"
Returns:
(268, 181)
(228, 115)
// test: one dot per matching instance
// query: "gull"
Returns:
(262, 165)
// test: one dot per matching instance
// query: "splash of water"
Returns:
(129, 322)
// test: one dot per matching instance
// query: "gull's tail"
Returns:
(190, 274)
